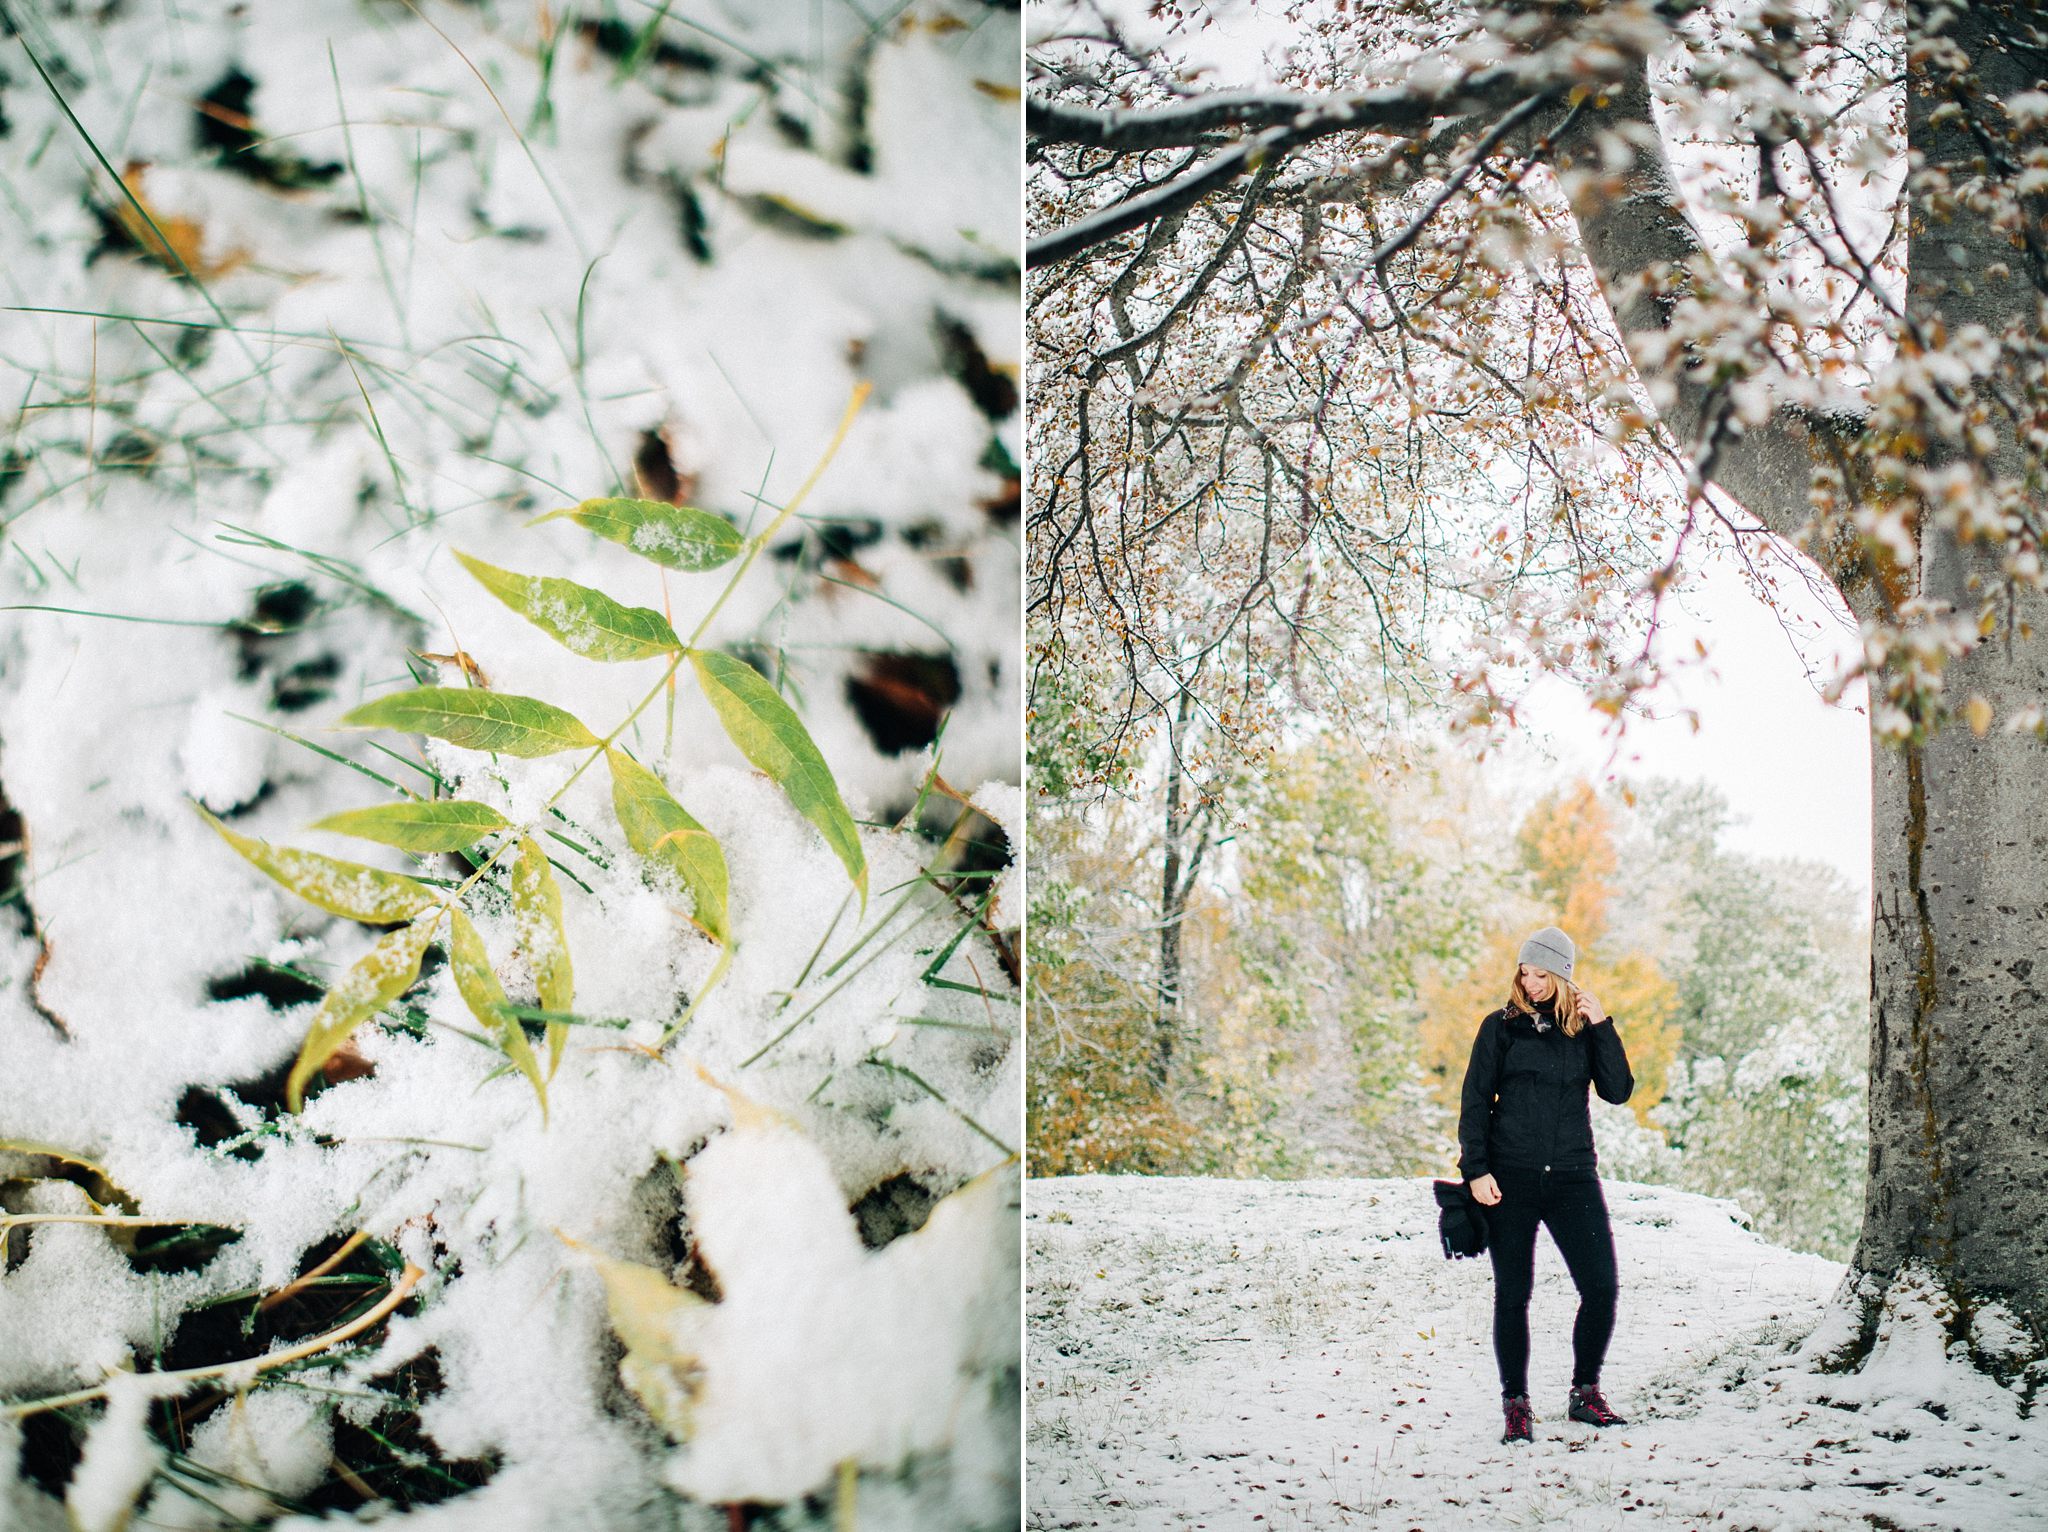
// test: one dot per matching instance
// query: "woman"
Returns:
(1525, 1137)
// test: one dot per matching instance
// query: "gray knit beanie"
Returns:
(1551, 950)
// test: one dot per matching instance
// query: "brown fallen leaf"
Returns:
(177, 244)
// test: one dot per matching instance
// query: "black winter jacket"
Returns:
(1524, 1103)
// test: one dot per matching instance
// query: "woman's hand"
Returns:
(1486, 1190)
(1590, 1009)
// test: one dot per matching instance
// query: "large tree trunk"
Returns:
(1959, 1029)
(1959, 1025)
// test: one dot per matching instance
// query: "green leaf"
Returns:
(537, 917)
(658, 827)
(582, 620)
(770, 735)
(478, 985)
(379, 978)
(368, 894)
(476, 720)
(676, 536)
(419, 825)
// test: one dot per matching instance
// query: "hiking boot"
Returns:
(1519, 1420)
(1586, 1405)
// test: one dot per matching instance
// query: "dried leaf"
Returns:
(772, 1423)
(582, 620)
(655, 1319)
(178, 244)
(657, 826)
(380, 977)
(368, 894)
(770, 735)
(476, 720)
(451, 824)
(674, 536)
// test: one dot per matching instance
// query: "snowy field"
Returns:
(303, 301)
(1292, 1355)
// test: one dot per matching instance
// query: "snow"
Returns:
(1300, 1354)
(278, 1439)
(760, 1382)
(521, 326)
(119, 1460)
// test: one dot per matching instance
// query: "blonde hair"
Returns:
(1565, 1002)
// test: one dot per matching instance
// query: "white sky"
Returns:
(1796, 770)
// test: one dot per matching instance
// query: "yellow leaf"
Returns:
(377, 979)
(747, 1113)
(484, 995)
(1977, 713)
(537, 914)
(770, 1220)
(656, 1320)
(368, 894)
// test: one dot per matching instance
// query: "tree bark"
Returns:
(1181, 865)
(1959, 1034)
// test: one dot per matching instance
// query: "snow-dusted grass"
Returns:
(1233, 1354)
(504, 258)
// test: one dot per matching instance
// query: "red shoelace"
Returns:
(1587, 1405)
(1519, 1420)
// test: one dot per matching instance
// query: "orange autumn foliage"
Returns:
(1566, 846)
(175, 243)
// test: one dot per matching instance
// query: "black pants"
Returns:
(1573, 1208)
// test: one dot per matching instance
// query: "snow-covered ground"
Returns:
(1233, 1354)
(302, 300)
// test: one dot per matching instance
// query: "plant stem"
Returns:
(755, 544)
(710, 983)
(401, 1290)
(624, 724)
